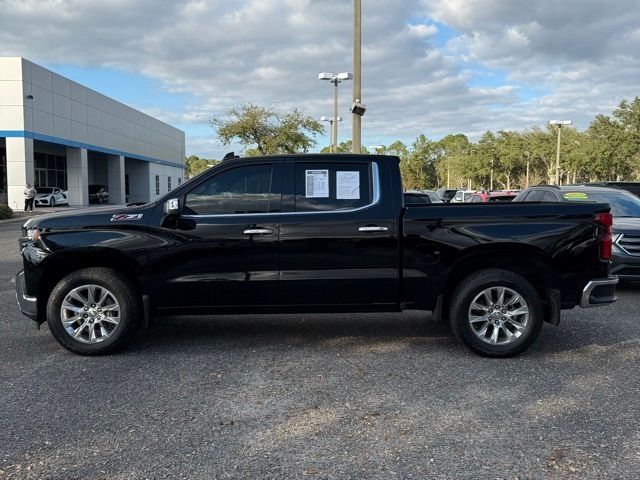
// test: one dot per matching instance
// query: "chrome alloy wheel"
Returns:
(90, 313)
(499, 316)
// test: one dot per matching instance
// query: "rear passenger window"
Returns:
(332, 186)
(549, 197)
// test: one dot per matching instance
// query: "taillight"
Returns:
(604, 221)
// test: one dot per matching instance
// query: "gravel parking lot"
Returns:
(320, 396)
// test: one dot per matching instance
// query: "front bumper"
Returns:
(28, 305)
(597, 293)
(624, 265)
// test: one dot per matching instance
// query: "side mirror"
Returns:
(172, 207)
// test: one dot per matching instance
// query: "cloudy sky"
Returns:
(432, 66)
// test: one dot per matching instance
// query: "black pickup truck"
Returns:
(313, 233)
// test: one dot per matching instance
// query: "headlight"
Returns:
(33, 234)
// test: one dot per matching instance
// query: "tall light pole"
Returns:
(335, 80)
(559, 124)
(356, 142)
(331, 121)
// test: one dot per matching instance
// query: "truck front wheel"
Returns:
(496, 313)
(94, 311)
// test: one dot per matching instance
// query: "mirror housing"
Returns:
(172, 207)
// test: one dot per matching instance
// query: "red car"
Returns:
(485, 197)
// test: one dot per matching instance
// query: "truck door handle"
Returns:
(373, 228)
(258, 231)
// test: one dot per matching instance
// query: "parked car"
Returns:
(446, 194)
(424, 197)
(462, 195)
(98, 193)
(633, 187)
(625, 207)
(313, 233)
(50, 197)
(491, 197)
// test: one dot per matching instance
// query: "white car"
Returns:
(462, 195)
(50, 197)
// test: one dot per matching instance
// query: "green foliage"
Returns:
(195, 165)
(344, 147)
(263, 131)
(5, 212)
(608, 150)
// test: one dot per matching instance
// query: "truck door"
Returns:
(224, 250)
(338, 237)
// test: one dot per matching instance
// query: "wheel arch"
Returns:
(58, 265)
(531, 263)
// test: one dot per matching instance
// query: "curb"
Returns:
(14, 220)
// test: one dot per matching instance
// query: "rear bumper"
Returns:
(28, 305)
(599, 292)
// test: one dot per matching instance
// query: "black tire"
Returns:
(472, 286)
(131, 312)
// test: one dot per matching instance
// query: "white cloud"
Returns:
(573, 58)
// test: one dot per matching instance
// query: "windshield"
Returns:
(622, 204)
(44, 190)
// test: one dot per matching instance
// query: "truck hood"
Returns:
(626, 225)
(95, 216)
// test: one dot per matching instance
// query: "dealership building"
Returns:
(55, 132)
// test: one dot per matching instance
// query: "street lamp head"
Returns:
(325, 76)
(345, 76)
(560, 122)
(324, 119)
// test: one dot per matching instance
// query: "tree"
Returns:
(194, 165)
(344, 147)
(263, 131)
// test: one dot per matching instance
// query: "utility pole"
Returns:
(559, 124)
(334, 123)
(357, 74)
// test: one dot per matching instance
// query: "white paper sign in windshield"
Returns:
(348, 185)
(316, 183)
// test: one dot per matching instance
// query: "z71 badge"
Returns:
(123, 217)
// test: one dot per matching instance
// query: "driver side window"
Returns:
(240, 190)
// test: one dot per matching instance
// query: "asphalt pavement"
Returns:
(320, 396)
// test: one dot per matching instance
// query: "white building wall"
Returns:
(43, 105)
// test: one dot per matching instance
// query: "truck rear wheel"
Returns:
(94, 311)
(496, 313)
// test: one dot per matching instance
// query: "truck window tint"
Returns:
(534, 196)
(550, 197)
(235, 191)
(354, 190)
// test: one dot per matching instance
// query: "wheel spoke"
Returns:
(71, 320)
(478, 318)
(494, 335)
(103, 297)
(103, 332)
(75, 294)
(513, 300)
(519, 311)
(480, 307)
(76, 333)
(92, 333)
(483, 331)
(501, 291)
(72, 308)
(112, 320)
